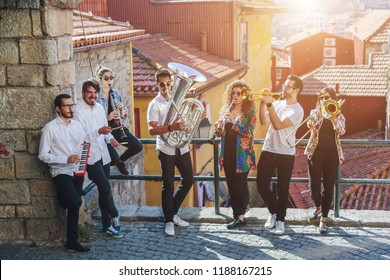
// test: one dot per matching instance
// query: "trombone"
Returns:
(327, 110)
(254, 96)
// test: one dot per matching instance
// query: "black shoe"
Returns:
(122, 168)
(236, 223)
(77, 248)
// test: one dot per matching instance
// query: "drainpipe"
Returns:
(273, 72)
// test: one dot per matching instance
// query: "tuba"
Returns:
(189, 110)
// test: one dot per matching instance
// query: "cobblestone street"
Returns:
(210, 241)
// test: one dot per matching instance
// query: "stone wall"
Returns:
(36, 64)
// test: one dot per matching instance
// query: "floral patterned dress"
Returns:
(245, 154)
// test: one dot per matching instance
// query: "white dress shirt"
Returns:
(93, 118)
(156, 113)
(59, 141)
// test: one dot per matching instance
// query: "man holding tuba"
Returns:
(324, 153)
(277, 156)
(169, 156)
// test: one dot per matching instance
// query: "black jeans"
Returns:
(100, 175)
(172, 200)
(282, 165)
(324, 163)
(69, 197)
(238, 188)
(134, 146)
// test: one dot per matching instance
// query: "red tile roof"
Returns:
(371, 26)
(354, 80)
(360, 162)
(158, 50)
(93, 30)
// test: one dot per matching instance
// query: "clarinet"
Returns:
(118, 122)
(219, 127)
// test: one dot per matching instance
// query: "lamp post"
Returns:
(203, 131)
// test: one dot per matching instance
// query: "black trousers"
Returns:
(171, 199)
(282, 166)
(100, 174)
(324, 164)
(69, 197)
(238, 188)
(134, 146)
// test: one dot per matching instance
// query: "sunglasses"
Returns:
(236, 93)
(324, 97)
(168, 84)
(108, 78)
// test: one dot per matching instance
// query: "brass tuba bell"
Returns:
(189, 110)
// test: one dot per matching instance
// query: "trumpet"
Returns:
(253, 96)
(219, 127)
(327, 110)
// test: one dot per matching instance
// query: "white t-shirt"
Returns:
(275, 141)
(156, 113)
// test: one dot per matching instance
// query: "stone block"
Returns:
(38, 51)
(62, 75)
(26, 108)
(45, 229)
(33, 141)
(63, 4)
(40, 207)
(42, 188)
(7, 168)
(2, 75)
(65, 49)
(26, 75)
(14, 192)
(11, 229)
(7, 211)
(14, 141)
(28, 4)
(57, 22)
(9, 52)
(29, 167)
(15, 23)
(36, 23)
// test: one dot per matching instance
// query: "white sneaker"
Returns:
(169, 229)
(179, 222)
(279, 229)
(270, 223)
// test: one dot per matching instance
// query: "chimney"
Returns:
(203, 41)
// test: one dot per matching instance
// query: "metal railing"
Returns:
(216, 178)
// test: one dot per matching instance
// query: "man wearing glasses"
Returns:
(59, 147)
(92, 117)
(277, 157)
(169, 157)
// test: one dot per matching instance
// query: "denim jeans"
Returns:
(100, 175)
(69, 197)
(282, 165)
(171, 199)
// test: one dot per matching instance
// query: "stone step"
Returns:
(353, 218)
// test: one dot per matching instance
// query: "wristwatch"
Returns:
(269, 105)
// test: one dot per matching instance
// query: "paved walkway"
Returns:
(350, 238)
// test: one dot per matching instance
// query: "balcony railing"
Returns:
(216, 178)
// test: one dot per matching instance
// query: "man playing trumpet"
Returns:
(277, 157)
